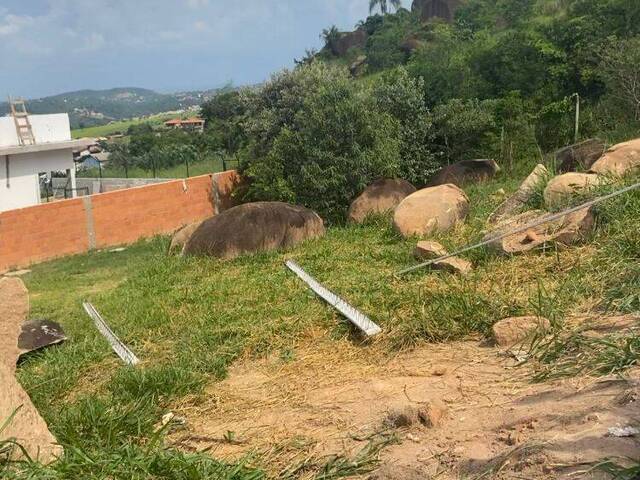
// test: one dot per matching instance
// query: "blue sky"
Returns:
(53, 46)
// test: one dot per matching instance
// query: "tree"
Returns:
(620, 63)
(383, 5)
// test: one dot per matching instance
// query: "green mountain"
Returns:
(98, 107)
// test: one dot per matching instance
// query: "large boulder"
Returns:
(566, 230)
(434, 209)
(580, 156)
(524, 193)
(562, 187)
(254, 227)
(348, 40)
(619, 160)
(182, 236)
(380, 197)
(466, 171)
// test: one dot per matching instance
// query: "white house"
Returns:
(22, 166)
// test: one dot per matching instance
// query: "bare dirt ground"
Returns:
(334, 396)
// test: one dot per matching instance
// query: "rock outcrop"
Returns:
(561, 188)
(466, 171)
(619, 160)
(434, 209)
(254, 227)
(428, 9)
(380, 197)
(580, 156)
(348, 40)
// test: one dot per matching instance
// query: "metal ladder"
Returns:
(21, 119)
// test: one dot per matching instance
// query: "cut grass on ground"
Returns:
(188, 319)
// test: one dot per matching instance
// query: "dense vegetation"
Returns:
(501, 81)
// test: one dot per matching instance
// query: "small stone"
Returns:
(511, 331)
(433, 414)
(413, 438)
(454, 265)
(402, 417)
(428, 249)
(439, 371)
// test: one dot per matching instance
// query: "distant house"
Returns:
(194, 124)
(25, 165)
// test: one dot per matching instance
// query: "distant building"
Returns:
(29, 161)
(194, 124)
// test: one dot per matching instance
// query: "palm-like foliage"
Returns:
(383, 4)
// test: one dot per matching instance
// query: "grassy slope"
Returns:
(189, 319)
(119, 126)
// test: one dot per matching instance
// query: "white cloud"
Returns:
(12, 24)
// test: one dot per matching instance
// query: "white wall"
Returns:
(46, 129)
(23, 188)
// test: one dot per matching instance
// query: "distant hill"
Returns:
(88, 108)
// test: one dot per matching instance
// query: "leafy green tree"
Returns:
(317, 140)
(401, 96)
(384, 5)
(620, 66)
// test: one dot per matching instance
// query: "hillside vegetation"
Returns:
(90, 108)
(499, 82)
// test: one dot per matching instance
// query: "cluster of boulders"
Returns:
(440, 207)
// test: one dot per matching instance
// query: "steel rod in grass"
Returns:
(126, 355)
(357, 318)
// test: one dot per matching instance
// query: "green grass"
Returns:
(189, 319)
(120, 126)
(210, 165)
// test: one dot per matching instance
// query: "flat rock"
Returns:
(27, 427)
(569, 229)
(254, 227)
(514, 330)
(619, 160)
(433, 209)
(454, 265)
(561, 188)
(380, 197)
(428, 249)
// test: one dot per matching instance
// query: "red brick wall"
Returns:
(42, 232)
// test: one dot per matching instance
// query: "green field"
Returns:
(119, 126)
(189, 319)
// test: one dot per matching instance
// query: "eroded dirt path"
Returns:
(333, 396)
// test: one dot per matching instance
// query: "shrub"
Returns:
(317, 140)
(401, 96)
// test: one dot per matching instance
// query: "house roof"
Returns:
(188, 121)
(45, 147)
